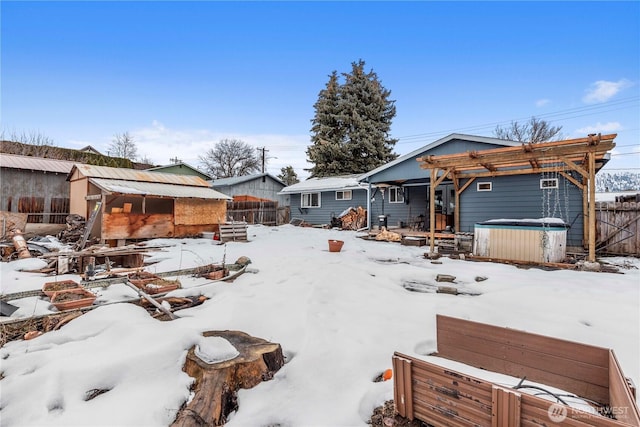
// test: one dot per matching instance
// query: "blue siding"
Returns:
(415, 203)
(410, 168)
(519, 197)
(329, 206)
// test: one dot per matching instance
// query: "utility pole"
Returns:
(264, 156)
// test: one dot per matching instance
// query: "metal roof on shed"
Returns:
(157, 189)
(15, 161)
(92, 171)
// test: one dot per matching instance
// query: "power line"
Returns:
(569, 113)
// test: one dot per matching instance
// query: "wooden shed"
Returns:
(122, 204)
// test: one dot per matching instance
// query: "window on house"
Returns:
(396, 195)
(548, 183)
(484, 186)
(310, 200)
(343, 195)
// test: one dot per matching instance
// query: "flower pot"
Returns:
(50, 288)
(335, 245)
(72, 298)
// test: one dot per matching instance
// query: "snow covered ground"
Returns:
(338, 317)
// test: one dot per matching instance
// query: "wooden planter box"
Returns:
(153, 284)
(50, 288)
(212, 271)
(413, 241)
(72, 298)
(442, 396)
(141, 278)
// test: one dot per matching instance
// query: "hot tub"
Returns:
(536, 240)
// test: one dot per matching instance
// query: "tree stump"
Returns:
(217, 383)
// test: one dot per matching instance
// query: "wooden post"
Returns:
(432, 209)
(456, 212)
(592, 206)
(585, 212)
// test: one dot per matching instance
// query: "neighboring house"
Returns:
(141, 205)
(261, 186)
(180, 168)
(525, 189)
(318, 200)
(36, 186)
(90, 149)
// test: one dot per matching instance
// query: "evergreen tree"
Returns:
(350, 130)
(288, 175)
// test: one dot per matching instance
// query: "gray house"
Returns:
(318, 200)
(259, 186)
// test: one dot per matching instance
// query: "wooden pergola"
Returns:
(584, 156)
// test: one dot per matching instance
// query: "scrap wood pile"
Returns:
(34, 326)
(131, 258)
(388, 236)
(74, 230)
(353, 219)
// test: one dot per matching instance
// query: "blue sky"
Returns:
(180, 76)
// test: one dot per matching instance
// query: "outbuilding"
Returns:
(122, 204)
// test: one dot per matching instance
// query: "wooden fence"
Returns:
(618, 228)
(442, 396)
(261, 212)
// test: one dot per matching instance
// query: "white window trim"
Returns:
(343, 194)
(478, 184)
(398, 193)
(309, 193)
(546, 187)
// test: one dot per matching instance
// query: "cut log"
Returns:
(216, 384)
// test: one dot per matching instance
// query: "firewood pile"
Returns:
(354, 219)
(75, 229)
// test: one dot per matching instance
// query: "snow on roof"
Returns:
(342, 182)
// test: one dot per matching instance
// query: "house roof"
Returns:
(451, 137)
(180, 164)
(90, 149)
(156, 189)
(91, 171)
(342, 182)
(15, 161)
(223, 182)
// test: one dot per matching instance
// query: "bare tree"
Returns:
(535, 130)
(123, 146)
(32, 143)
(230, 157)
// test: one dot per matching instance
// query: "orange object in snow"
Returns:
(387, 375)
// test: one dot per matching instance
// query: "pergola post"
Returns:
(592, 206)
(432, 209)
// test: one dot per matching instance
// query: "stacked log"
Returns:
(354, 219)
